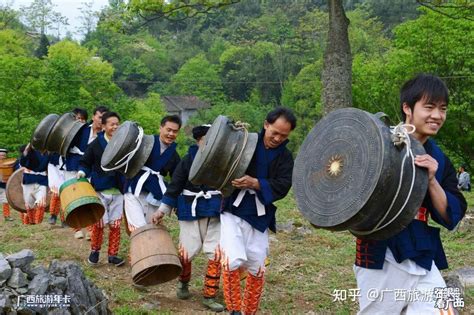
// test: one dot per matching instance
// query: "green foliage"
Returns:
(303, 94)
(77, 78)
(197, 77)
(42, 49)
(148, 113)
(13, 43)
(249, 113)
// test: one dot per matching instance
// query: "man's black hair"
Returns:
(100, 109)
(171, 118)
(284, 112)
(423, 86)
(107, 115)
(80, 111)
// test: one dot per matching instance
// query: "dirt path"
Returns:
(117, 283)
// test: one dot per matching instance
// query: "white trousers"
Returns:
(113, 207)
(34, 195)
(138, 210)
(242, 245)
(392, 290)
(69, 174)
(200, 234)
(3, 196)
(55, 178)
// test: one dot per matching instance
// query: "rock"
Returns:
(34, 271)
(22, 290)
(59, 283)
(150, 306)
(4, 303)
(304, 231)
(17, 279)
(5, 270)
(21, 259)
(466, 275)
(285, 227)
(39, 284)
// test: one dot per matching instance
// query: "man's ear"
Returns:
(407, 110)
(265, 124)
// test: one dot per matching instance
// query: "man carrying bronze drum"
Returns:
(3, 185)
(79, 145)
(108, 187)
(409, 262)
(249, 212)
(35, 184)
(145, 190)
(199, 224)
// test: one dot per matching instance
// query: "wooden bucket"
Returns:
(14, 192)
(153, 256)
(6, 169)
(80, 203)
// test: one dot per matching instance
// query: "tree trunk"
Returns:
(337, 69)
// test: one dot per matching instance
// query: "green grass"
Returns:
(304, 268)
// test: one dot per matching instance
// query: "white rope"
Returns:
(129, 156)
(400, 134)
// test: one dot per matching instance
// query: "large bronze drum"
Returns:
(225, 156)
(62, 134)
(347, 174)
(40, 135)
(125, 143)
(14, 192)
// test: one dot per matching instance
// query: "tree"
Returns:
(197, 77)
(42, 49)
(89, 18)
(40, 15)
(337, 69)
(76, 77)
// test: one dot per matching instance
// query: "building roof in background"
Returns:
(179, 103)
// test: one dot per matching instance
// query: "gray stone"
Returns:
(59, 283)
(59, 311)
(5, 302)
(5, 271)
(22, 290)
(150, 306)
(22, 259)
(34, 271)
(17, 279)
(39, 284)
(304, 231)
(466, 276)
(285, 227)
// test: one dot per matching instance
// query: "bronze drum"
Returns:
(14, 192)
(40, 135)
(122, 144)
(62, 134)
(225, 156)
(347, 173)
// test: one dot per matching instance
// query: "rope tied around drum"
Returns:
(125, 160)
(237, 126)
(400, 135)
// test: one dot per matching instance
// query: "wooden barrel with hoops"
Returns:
(153, 255)
(6, 169)
(80, 203)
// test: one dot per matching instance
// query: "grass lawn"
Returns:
(307, 265)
